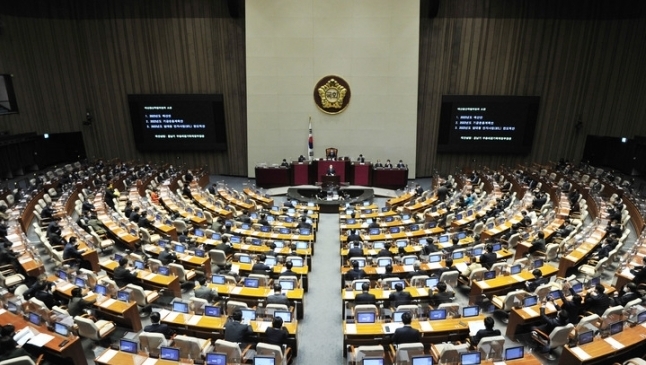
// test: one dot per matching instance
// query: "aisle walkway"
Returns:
(320, 332)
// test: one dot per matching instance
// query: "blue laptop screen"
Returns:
(214, 358)
(437, 314)
(514, 353)
(211, 311)
(169, 353)
(180, 307)
(128, 346)
(366, 317)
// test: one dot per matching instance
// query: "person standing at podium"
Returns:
(331, 171)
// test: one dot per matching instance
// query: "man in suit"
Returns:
(134, 216)
(378, 164)
(157, 327)
(406, 334)
(9, 349)
(331, 155)
(355, 273)
(385, 252)
(399, 297)
(301, 158)
(234, 330)
(596, 301)
(441, 296)
(628, 294)
(166, 256)
(538, 245)
(537, 281)
(260, 267)
(639, 272)
(77, 304)
(354, 236)
(355, 250)
(373, 223)
(361, 159)
(401, 165)
(206, 293)
(388, 272)
(303, 223)
(330, 171)
(365, 297)
(45, 295)
(284, 163)
(488, 258)
(123, 276)
(486, 332)
(388, 164)
(442, 192)
(224, 245)
(278, 297)
(276, 334)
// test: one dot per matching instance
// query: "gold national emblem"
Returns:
(332, 94)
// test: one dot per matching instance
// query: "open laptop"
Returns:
(514, 353)
(585, 337)
(180, 307)
(372, 361)
(437, 314)
(530, 301)
(264, 360)
(470, 358)
(212, 311)
(215, 358)
(470, 311)
(285, 315)
(129, 346)
(366, 317)
(169, 353)
(422, 360)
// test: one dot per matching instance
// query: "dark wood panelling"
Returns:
(583, 64)
(69, 56)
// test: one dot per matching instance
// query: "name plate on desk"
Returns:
(351, 329)
(107, 356)
(531, 312)
(150, 276)
(518, 277)
(425, 326)
(422, 292)
(614, 343)
(108, 302)
(580, 353)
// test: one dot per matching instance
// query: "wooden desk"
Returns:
(603, 351)
(422, 294)
(28, 259)
(209, 204)
(286, 251)
(148, 280)
(395, 236)
(578, 255)
(271, 177)
(114, 357)
(420, 205)
(273, 235)
(392, 178)
(264, 200)
(190, 262)
(393, 202)
(73, 351)
(245, 269)
(227, 196)
(252, 295)
(168, 203)
(505, 283)
(116, 232)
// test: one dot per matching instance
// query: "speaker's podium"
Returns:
(330, 181)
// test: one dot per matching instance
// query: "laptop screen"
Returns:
(285, 315)
(401, 243)
(538, 263)
(514, 353)
(270, 261)
(458, 255)
(593, 282)
(297, 262)
(497, 247)
(641, 317)
(199, 253)
(422, 360)
(286, 284)
(285, 230)
(444, 239)
(366, 317)
(530, 301)
(358, 285)
(139, 265)
(305, 231)
(180, 307)
(301, 245)
(256, 241)
(470, 358)
(218, 279)
(198, 232)
(61, 329)
(123, 295)
(394, 229)
(62, 274)
(471, 311)
(211, 311)
(169, 353)
(100, 289)
(378, 245)
(235, 239)
(383, 262)
(458, 217)
(397, 316)
(477, 251)
(577, 287)
(395, 282)
(586, 337)
(437, 314)
(34, 319)
(515, 269)
(79, 282)
(248, 315)
(432, 224)
(432, 282)
(216, 236)
(409, 260)
(279, 244)
(389, 219)
(265, 229)
(462, 235)
(350, 221)
(215, 358)
(489, 275)
(128, 346)
(374, 361)
(245, 259)
(251, 282)
(264, 360)
(374, 231)
(179, 248)
(12, 307)
(555, 294)
(435, 258)
(616, 327)
(245, 226)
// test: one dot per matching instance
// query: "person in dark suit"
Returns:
(260, 267)
(276, 334)
(573, 306)
(488, 258)
(373, 223)
(123, 276)
(486, 332)
(361, 159)
(538, 245)
(204, 292)
(417, 270)
(157, 327)
(399, 297)
(331, 155)
(549, 323)
(47, 212)
(388, 272)
(388, 164)
(301, 158)
(77, 304)
(9, 349)
(442, 192)
(365, 297)
(354, 236)
(303, 223)
(525, 221)
(224, 246)
(538, 280)
(378, 164)
(441, 296)
(355, 250)
(596, 301)
(278, 297)
(45, 295)
(143, 221)
(234, 330)
(134, 216)
(355, 273)
(166, 256)
(288, 270)
(284, 163)
(406, 334)
(401, 164)
(430, 247)
(639, 272)
(628, 294)
(330, 171)
(385, 252)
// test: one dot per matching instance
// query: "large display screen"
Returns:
(487, 124)
(187, 122)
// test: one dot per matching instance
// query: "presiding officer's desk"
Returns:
(617, 348)
(523, 317)
(437, 331)
(213, 327)
(125, 314)
(72, 351)
(503, 284)
(147, 279)
(251, 296)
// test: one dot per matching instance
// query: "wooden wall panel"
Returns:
(74, 55)
(584, 59)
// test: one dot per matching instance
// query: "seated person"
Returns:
(276, 334)
(596, 301)
(417, 270)
(441, 296)
(488, 258)
(401, 164)
(388, 164)
(486, 332)
(399, 297)
(361, 159)
(385, 252)
(538, 280)
(157, 327)
(235, 330)
(538, 245)
(628, 294)
(406, 334)
(639, 272)
(301, 158)
(205, 292)
(260, 267)
(354, 236)
(355, 273)
(389, 272)
(46, 296)
(365, 297)
(166, 256)
(123, 276)
(288, 270)
(573, 306)
(9, 349)
(284, 163)
(278, 297)
(77, 304)
(549, 323)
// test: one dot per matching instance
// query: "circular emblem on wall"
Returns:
(332, 94)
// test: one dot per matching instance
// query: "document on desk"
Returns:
(262, 326)
(351, 329)
(40, 340)
(531, 312)
(483, 284)
(626, 272)
(236, 290)
(21, 337)
(150, 276)
(235, 268)
(380, 270)
(614, 343)
(580, 353)
(150, 361)
(108, 302)
(422, 292)
(66, 287)
(171, 316)
(518, 277)
(475, 326)
(425, 326)
(194, 320)
(408, 268)
(163, 313)
(461, 266)
(434, 266)
(108, 355)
